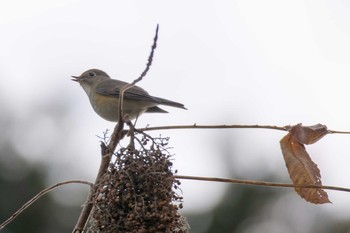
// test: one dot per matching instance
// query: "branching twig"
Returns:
(261, 183)
(40, 194)
(107, 151)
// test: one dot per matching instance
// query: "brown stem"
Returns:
(107, 151)
(195, 126)
(260, 183)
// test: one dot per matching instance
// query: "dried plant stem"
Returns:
(339, 132)
(195, 126)
(40, 194)
(260, 183)
(106, 158)
(143, 74)
(107, 151)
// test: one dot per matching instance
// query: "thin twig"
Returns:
(261, 183)
(150, 57)
(143, 74)
(338, 132)
(40, 194)
(107, 151)
(195, 126)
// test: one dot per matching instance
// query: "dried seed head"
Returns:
(137, 192)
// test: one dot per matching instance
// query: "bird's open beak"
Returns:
(75, 78)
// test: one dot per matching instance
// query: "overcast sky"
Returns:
(229, 62)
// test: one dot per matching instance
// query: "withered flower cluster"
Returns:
(137, 193)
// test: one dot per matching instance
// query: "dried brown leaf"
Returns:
(308, 134)
(302, 170)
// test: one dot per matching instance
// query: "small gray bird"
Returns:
(103, 93)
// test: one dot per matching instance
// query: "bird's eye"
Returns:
(92, 74)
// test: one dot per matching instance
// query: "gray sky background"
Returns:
(229, 62)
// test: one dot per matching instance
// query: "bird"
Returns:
(103, 93)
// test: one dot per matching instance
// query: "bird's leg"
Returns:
(131, 133)
(132, 127)
(137, 117)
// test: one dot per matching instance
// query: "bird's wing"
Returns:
(112, 87)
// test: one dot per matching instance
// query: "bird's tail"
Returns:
(170, 103)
